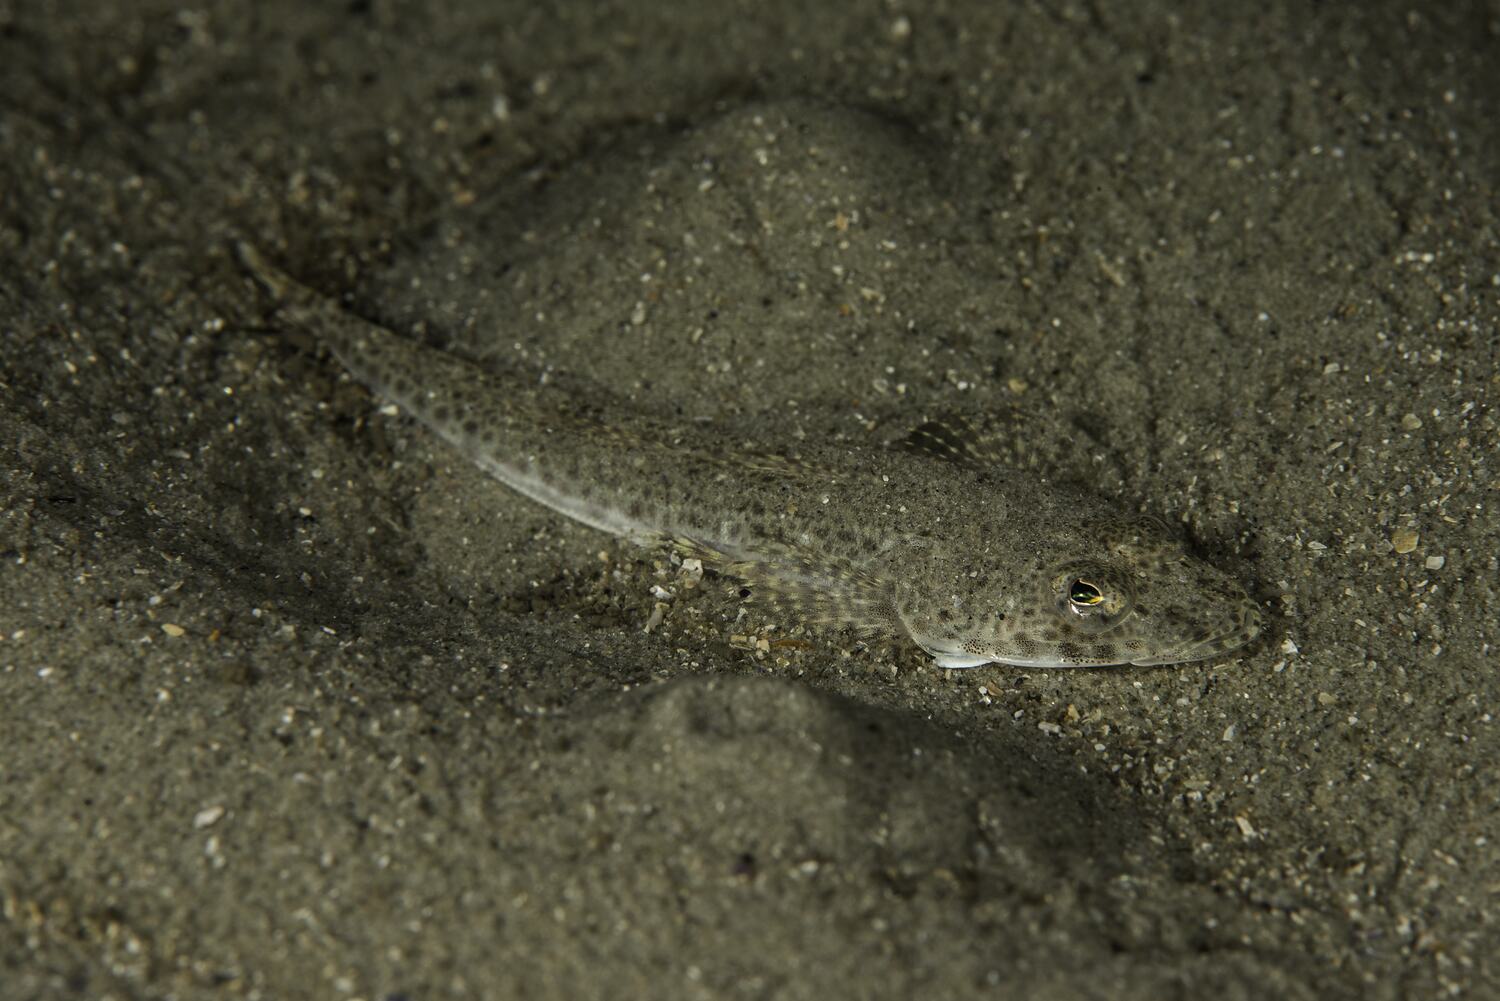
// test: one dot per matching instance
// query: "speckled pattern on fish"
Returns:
(943, 536)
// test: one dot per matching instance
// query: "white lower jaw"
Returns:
(960, 661)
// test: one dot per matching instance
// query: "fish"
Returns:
(948, 536)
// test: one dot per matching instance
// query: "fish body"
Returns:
(938, 537)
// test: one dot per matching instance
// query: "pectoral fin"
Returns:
(814, 587)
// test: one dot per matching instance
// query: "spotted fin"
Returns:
(815, 587)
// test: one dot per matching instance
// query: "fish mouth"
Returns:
(959, 659)
(1245, 627)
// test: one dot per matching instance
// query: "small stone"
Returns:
(1404, 540)
(207, 817)
(1435, 562)
(1327, 698)
(172, 629)
(1411, 422)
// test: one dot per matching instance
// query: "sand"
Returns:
(294, 704)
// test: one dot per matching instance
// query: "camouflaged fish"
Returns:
(942, 537)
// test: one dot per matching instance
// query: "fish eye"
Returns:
(1082, 594)
(1091, 597)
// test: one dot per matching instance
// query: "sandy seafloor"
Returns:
(293, 704)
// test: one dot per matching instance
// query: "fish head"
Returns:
(1122, 592)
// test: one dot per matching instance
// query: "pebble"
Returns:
(207, 817)
(1404, 540)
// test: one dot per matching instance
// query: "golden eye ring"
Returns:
(1083, 594)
